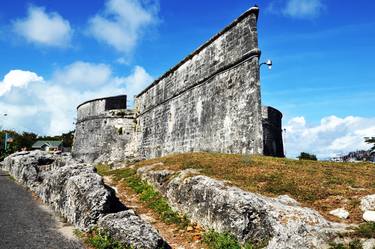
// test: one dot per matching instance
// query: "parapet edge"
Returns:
(273, 109)
(252, 10)
(103, 98)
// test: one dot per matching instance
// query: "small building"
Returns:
(48, 145)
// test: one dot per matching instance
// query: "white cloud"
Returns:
(304, 9)
(83, 74)
(18, 78)
(122, 23)
(49, 106)
(44, 28)
(135, 82)
(332, 137)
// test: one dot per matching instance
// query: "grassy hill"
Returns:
(323, 186)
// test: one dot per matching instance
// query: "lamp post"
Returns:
(268, 63)
(6, 136)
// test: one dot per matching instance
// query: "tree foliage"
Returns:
(307, 156)
(370, 140)
(25, 140)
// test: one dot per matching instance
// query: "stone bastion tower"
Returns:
(210, 101)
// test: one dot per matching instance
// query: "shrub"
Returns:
(366, 230)
(307, 156)
(100, 239)
(216, 240)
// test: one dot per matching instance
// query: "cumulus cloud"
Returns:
(44, 28)
(332, 137)
(122, 23)
(135, 82)
(83, 74)
(49, 106)
(17, 79)
(297, 8)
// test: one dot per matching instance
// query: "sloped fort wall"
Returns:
(210, 101)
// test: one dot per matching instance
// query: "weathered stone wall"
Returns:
(272, 132)
(103, 132)
(208, 102)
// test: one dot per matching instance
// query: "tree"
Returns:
(307, 156)
(68, 139)
(370, 140)
(26, 140)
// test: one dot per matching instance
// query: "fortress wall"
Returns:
(103, 130)
(272, 132)
(208, 102)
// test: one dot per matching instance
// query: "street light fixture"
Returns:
(268, 63)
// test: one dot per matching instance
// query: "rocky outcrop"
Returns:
(368, 203)
(75, 191)
(368, 208)
(71, 188)
(130, 229)
(280, 222)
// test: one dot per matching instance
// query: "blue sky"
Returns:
(56, 54)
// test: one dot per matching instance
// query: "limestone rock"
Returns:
(71, 188)
(287, 200)
(130, 229)
(340, 213)
(249, 216)
(369, 244)
(79, 194)
(368, 203)
(369, 216)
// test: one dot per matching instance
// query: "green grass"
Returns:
(313, 183)
(217, 240)
(366, 230)
(102, 169)
(99, 239)
(147, 194)
(354, 244)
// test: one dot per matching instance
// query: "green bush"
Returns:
(366, 230)
(307, 156)
(100, 239)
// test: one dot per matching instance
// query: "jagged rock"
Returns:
(79, 194)
(71, 188)
(369, 216)
(249, 216)
(131, 230)
(340, 213)
(368, 203)
(25, 166)
(369, 244)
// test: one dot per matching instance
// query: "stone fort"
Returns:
(210, 101)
